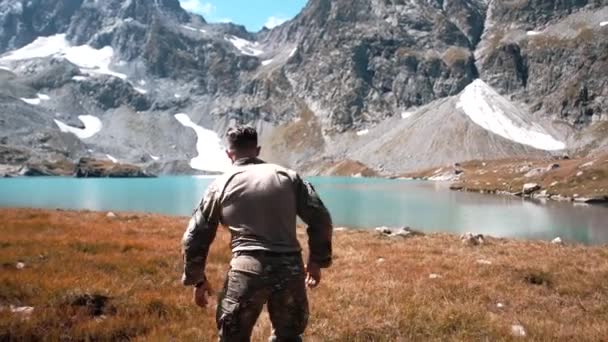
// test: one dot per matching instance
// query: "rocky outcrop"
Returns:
(23, 21)
(392, 56)
(91, 168)
(95, 21)
(112, 92)
(547, 54)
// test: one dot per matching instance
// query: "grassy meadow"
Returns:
(89, 277)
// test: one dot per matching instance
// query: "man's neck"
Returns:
(246, 160)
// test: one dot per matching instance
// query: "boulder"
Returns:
(384, 230)
(34, 171)
(518, 330)
(542, 194)
(404, 232)
(456, 187)
(472, 240)
(530, 188)
(7, 171)
(591, 200)
(24, 311)
(561, 198)
(535, 172)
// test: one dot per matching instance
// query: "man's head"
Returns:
(242, 143)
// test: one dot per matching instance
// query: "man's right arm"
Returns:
(198, 237)
(314, 213)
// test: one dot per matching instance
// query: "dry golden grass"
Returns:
(378, 289)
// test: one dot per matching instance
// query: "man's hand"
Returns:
(201, 294)
(313, 275)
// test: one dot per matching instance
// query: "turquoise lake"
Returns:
(353, 202)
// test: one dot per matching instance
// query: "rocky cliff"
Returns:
(393, 84)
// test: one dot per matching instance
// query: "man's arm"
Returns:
(198, 237)
(314, 213)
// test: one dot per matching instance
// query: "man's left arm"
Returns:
(198, 237)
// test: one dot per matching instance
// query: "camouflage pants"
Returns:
(254, 280)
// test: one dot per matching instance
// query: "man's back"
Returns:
(259, 205)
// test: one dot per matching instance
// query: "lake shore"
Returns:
(581, 180)
(88, 275)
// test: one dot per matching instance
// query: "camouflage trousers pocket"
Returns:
(228, 307)
(227, 316)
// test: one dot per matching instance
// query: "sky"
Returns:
(254, 14)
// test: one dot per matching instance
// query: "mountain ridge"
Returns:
(338, 74)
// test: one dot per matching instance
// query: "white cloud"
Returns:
(197, 6)
(274, 21)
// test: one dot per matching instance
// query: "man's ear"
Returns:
(259, 149)
(230, 155)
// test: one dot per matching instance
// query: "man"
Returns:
(259, 203)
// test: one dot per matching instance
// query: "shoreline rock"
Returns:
(93, 168)
(403, 232)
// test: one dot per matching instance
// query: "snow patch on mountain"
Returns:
(488, 109)
(363, 132)
(246, 47)
(112, 159)
(266, 62)
(36, 100)
(92, 126)
(89, 59)
(406, 115)
(211, 155)
(140, 90)
(194, 29)
(603, 23)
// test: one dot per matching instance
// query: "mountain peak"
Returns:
(141, 10)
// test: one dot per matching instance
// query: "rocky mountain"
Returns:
(391, 85)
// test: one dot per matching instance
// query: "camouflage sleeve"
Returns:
(199, 235)
(314, 213)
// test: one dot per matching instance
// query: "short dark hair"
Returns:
(242, 138)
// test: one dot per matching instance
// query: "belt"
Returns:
(263, 253)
